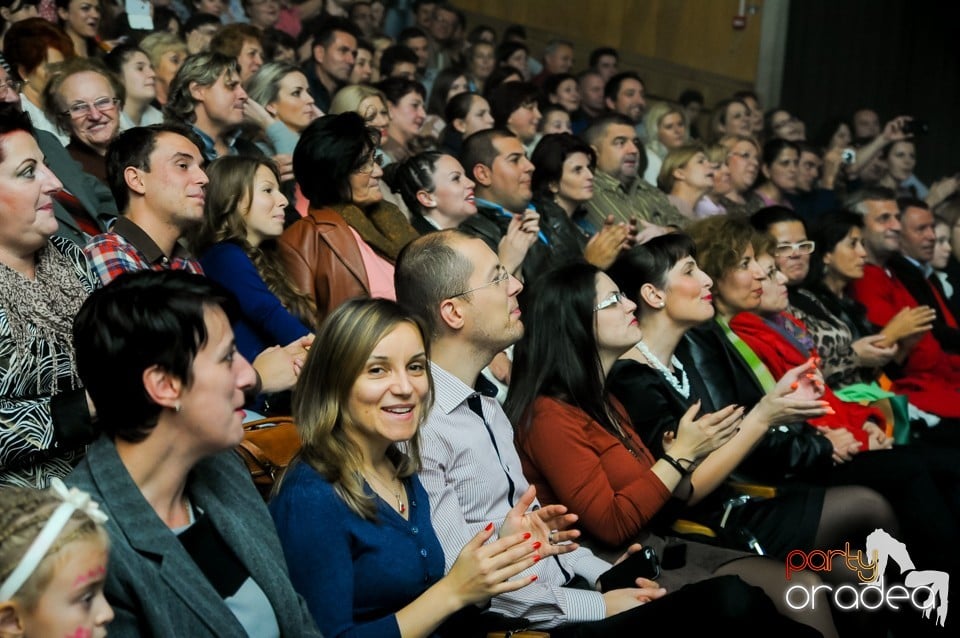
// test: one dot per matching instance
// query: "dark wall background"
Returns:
(897, 56)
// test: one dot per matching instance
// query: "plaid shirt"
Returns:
(126, 248)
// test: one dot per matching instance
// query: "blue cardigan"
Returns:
(354, 573)
(264, 322)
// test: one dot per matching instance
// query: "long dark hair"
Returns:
(558, 355)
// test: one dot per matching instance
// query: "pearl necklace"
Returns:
(683, 386)
(401, 507)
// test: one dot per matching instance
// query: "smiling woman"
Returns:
(81, 21)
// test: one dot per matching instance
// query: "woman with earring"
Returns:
(436, 190)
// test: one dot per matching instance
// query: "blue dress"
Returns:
(354, 573)
(264, 321)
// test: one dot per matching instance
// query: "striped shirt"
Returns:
(640, 200)
(466, 478)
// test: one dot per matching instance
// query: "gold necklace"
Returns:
(396, 493)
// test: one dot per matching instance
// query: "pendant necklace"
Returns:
(683, 385)
(401, 507)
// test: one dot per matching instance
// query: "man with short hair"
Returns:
(592, 104)
(815, 195)
(361, 14)
(625, 94)
(472, 472)
(605, 61)
(443, 28)
(333, 55)
(557, 59)
(617, 188)
(866, 124)
(417, 41)
(912, 267)
(398, 61)
(505, 220)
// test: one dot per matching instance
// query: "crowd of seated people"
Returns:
(524, 315)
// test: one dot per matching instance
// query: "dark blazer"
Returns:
(153, 584)
(920, 288)
(91, 192)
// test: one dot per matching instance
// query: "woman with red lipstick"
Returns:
(364, 393)
(562, 185)
(436, 190)
(44, 413)
(578, 447)
(193, 551)
(243, 215)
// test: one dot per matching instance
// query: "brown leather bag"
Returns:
(268, 446)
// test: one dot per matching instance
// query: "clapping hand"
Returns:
(548, 525)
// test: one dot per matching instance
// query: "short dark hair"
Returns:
(598, 128)
(903, 203)
(327, 29)
(394, 89)
(141, 320)
(548, 158)
(612, 88)
(459, 106)
(553, 82)
(119, 55)
(200, 19)
(515, 31)
(827, 232)
(509, 97)
(411, 32)
(394, 55)
(430, 269)
(689, 96)
(649, 263)
(274, 38)
(767, 216)
(479, 149)
(133, 147)
(505, 49)
(599, 52)
(12, 119)
(334, 146)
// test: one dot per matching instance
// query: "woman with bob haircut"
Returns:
(347, 244)
(362, 398)
(243, 215)
(578, 446)
(193, 549)
(666, 124)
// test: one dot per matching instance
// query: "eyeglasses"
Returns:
(502, 276)
(81, 110)
(613, 300)
(368, 166)
(800, 247)
(13, 85)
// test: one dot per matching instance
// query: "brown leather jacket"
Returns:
(322, 258)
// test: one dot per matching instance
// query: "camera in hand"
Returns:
(641, 564)
(916, 127)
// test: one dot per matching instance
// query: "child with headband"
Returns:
(53, 564)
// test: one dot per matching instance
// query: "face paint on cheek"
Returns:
(81, 632)
(96, 572)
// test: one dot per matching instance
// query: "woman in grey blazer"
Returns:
(193, 549)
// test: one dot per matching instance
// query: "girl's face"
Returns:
(784, 171)
(73, 604)
(557, 121)
(576, 183)
(458, 86)
(744, 163)
(362, 67)
(671, 131)
(901, 160)
(294, 105)
(523, 122)
(567, 95)
(453, 190)
(478, 117)
(615, 324)
(81, 17)
(941, 250)
(138, 77)
(407, 116)
(518, 60)
(774, 298)
(264, 211)
(374, 112)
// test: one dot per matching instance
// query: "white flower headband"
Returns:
(73, 499)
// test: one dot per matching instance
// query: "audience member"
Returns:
(167, 54)
(557, 59)
(465, 115)
(514, 107)
(605, 61)
(686, 176)
(363, 71)
(405, 101)
(80, 20)
(743, 159)
(692, 102)
(556, 119)
(332, 59)
(262, 14)
(480, 62)
(866, 123)
(730, 117)
(398, 61)
(666, 127)
(199, 30)
(779, 166)
(436, 190)
(624, 94)
(132, 66)
(241, 42)
(592, 103)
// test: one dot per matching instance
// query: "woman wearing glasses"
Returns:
(347, 244)
(85, 101)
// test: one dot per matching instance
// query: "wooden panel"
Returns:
(674, 44)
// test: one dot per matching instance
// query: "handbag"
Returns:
(267, 448)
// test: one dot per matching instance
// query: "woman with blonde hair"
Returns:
(167, 53)
(686, 176)
(362, 397)
(743, 160)
(666, 125)
(369, 102)
(280, 104)
(242, 218)
(722, 184)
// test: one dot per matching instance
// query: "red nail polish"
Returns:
(536, 558)
(794, 386)
(488, 527)
(536, 545)
(533, 578)
(526, 535)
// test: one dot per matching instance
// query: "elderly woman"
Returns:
(85, 100)
(131, 64)
(666, 125)
(355, 484)
(167, 53)
(686, 176)
(44, 412)
(31, 46)
(436, 190)
(243, 215)
(193, 550)
(80, 19)
(347, 244)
